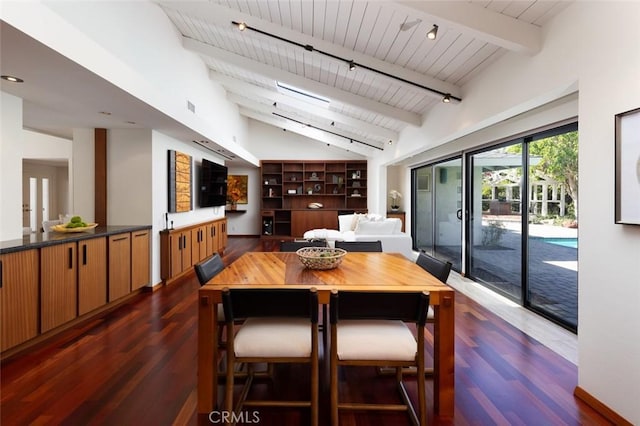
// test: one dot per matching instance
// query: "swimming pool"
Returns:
(565, 242)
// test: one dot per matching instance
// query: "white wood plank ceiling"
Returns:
(387, 39)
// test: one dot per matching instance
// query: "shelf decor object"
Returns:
(627, 140)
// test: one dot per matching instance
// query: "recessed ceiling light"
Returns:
(12, 79)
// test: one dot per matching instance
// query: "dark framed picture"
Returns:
(627, 138)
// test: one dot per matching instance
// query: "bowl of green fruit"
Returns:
(76, 224)
(321, 257)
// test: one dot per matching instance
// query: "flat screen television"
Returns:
(213, 184)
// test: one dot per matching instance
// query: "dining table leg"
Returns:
(444, 356)
(207, 357)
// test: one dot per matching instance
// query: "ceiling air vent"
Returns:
(191, 107)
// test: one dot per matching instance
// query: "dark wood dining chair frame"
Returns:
(408, 307)
(275, 303)
(291, 246)
(361, 246)
(205, 270)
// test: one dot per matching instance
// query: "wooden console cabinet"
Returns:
(18, 297)
(48, 281)
(289, 187)
(181, 248)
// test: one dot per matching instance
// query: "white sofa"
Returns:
(370, 227)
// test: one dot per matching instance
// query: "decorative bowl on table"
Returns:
(63, 228)
(320, 257)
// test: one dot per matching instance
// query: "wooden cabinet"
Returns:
(181, 248)
(222, 235)
(58, 285)
(198, 244)
(176, 253)
(119, 266)
(288, 187)
(64, 278)
(303, 221)
(18, 297)
(92, 274)
(211, 238)
(140, 259)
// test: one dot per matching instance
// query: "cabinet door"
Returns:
(58, 290)
(18, 297)
(119, 266)
(92, 274)
(302, 221)
(222, 235)
(211, 239)
(175, 244)
(198, 244)
(140, 259)
(187, 262)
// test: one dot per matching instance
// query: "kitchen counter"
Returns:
(45, 239)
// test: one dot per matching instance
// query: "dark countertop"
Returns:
(44, 239)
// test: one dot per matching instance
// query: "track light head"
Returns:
(241, 26)
(446, 99)
(352, 65)
(431, 35)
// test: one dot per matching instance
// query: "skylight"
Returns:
(302, 94)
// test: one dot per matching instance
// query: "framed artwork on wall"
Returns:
(180, 177)
(627, 140)
(237, 188)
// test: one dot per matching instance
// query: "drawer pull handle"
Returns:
(120, 239)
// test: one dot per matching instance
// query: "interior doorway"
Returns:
(45, 192)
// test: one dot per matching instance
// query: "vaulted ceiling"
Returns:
(398, 73)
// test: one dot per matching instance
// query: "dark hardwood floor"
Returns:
(137, 366)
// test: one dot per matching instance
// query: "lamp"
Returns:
(431, 35)
(241, 25)
(352, 65)
(446, 99)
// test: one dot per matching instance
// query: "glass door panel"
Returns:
(495, 226)
(552, 287)
(448, 212)
(423, 208)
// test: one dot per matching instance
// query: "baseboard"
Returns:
(601, 408)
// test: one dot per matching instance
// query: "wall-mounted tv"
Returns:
(213, 184)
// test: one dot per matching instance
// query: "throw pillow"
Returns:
(368, 227)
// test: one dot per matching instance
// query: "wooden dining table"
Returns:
(358, 271)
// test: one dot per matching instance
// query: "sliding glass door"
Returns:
(438, 210)
(520, 227)
(495, 222)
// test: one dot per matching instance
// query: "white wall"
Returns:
(161, 144)
(11, 137)
(129, 177)
(247, 223)
(82, 174)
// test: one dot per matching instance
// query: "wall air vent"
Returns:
(191, 107)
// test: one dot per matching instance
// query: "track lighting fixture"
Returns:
(333, 123)
(431, 35)
(390, 142)
(324, 130)
(275, 104)
(352, 64)
(446, 99)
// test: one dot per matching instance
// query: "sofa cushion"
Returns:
(367, 227)
(345, 222)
